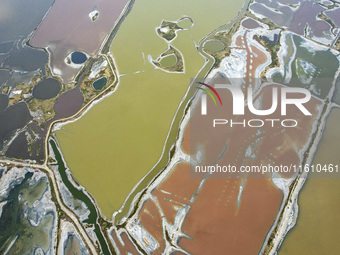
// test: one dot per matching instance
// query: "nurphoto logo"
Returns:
(239, 102)
(247, 102)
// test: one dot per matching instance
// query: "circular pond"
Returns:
(100, 83)
(46, 89)
(214, 46)
(78, 57)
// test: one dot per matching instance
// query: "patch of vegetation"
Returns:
(26, 90)
(273, 49)
(326, 19)
(66, 87)
(226, 38)
(171, 33)
(86, 86)
(178, 67)
(5, 90)
(43, 108)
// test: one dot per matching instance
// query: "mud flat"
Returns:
(29, 218)
(70, 242)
